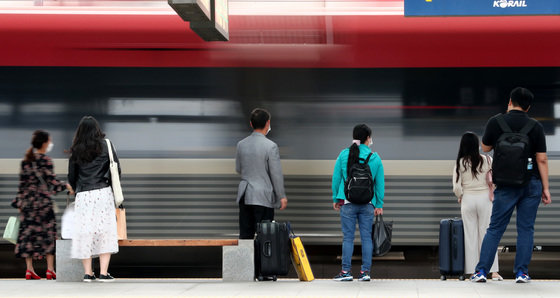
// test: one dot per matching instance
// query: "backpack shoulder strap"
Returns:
(528, 126)
(503, 124)
(367, 159)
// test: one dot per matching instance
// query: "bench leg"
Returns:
(238, 262)
(67, 269)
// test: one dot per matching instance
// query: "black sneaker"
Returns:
(344, 276)
(364, 276)
(89, 278)
(106, 278)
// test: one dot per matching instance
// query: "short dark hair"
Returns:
(39, 138)
(259, 117)
(521, 97)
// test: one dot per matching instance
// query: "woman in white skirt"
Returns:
(475, 194)
(95, 233)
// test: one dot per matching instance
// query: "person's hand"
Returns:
(546, 197)
(69, 188)
(378, 211)
(459, 200)
(336, 206)
(283, 203)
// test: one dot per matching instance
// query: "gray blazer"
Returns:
(258, 162)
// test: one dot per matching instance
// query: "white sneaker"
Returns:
(522, 278)
(478, 277)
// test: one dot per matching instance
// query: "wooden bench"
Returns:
(237, 260)
(237, 256)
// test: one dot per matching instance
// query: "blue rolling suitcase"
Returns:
(451, 248)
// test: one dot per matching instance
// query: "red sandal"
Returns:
(31, 275)
(51, 275)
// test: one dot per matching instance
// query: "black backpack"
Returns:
(511, 154)
(358, 186)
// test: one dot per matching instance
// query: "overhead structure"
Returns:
(192, 10)
(208, 18)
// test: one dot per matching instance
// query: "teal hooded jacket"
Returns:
(376, 167)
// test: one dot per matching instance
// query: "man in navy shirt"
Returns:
(525, 198)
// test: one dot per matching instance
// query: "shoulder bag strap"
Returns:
(489, 174)
(488, 160)
(110, 149)
(503, 124)
(38, 175)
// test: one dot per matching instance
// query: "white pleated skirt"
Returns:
(95, 222)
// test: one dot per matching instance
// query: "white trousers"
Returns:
(476, 210)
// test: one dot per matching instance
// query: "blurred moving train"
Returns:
(176, 106)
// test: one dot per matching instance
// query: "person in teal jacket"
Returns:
(362, 213)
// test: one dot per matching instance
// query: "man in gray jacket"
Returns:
(262, 184)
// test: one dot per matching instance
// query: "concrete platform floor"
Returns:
(402, 288)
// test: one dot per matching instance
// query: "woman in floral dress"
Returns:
(37, 182)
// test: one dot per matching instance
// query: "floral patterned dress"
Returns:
(37, 231)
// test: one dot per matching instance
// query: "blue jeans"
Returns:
(349, 213)
(526, 199)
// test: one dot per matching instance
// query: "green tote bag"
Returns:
(12, 230)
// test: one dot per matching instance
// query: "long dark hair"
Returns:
(468, 150)
(39, 138)
(88, 140)
(361, 132)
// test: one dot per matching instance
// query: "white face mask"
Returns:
(268, 130)
(50, 147)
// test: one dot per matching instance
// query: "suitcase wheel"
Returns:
(263, 278)
(461, 277)
(443, 277)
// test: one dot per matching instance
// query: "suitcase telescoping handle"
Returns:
(455, 253)
(290, 231)
(267, 248)
(452, 253)
(454, 244)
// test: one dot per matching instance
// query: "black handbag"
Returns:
(382, 233)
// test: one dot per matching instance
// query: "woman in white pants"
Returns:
(475, 194)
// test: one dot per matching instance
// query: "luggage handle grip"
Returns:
(455, 253)
(267, 248)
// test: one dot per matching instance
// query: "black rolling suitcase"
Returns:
(272, 250)
(451, 248)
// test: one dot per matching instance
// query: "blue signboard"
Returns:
(480, 7)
